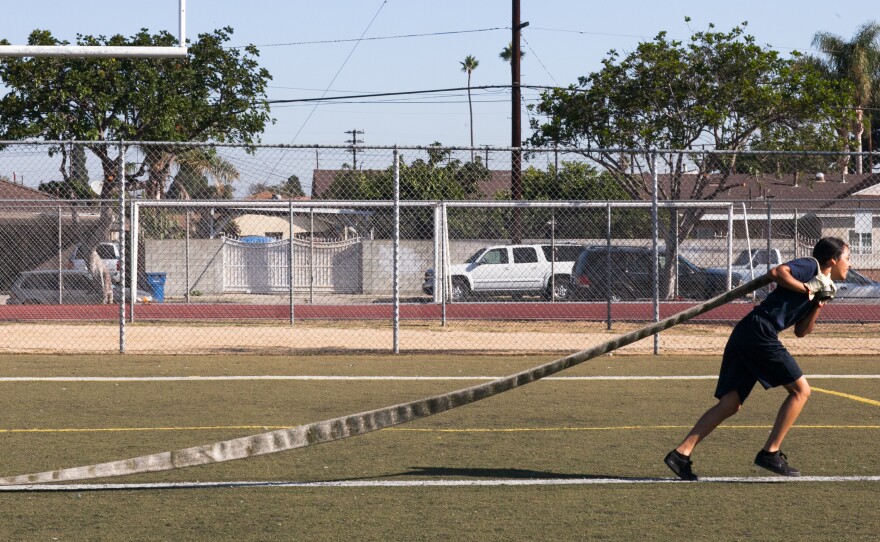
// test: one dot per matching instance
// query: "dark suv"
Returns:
(632, 275)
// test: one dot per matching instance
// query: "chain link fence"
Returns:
(185, 248)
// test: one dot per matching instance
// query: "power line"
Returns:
(405, 93)
(539, 60)
(350, 53)
(399, 36)
(420, 102)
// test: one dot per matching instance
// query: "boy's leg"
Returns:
(798, 393)
(727, 406)
(679, 459)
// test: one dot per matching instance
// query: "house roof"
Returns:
(19, 200)
(12, 191)
(830, 191)
(269, 195)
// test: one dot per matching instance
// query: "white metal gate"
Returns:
(262, 268)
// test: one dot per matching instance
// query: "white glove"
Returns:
(820, 288)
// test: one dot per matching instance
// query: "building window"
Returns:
(860, 243)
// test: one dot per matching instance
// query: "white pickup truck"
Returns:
(754, 262)
(514, 270)
(750, 264)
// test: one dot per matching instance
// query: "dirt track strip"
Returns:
(577, 311)
(441, 483)
(364, 422)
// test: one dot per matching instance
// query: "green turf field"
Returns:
(562, 432)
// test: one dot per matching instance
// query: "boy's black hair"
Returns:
(827, 248)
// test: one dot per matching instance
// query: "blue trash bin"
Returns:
(157, 284)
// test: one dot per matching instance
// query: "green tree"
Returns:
(468, 66)
(74, 173)
(719, 90)
(291, 188)
(216, 93)
(437, 178)
(856, 61)
(202, 174)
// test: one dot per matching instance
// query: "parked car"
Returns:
(754, 263)
(631, 275)
(857, 287)
(513, 270)
(78, 287)
(108, 251)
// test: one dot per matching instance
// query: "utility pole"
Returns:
(354, 141)
(516, 122)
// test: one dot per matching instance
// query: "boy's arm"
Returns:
(781, 275)
(804, 326)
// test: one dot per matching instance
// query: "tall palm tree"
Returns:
(468, 66)
(857, 61)
(507, 53)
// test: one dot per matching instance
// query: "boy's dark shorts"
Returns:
(754, 354)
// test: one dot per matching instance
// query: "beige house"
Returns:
(277, 223)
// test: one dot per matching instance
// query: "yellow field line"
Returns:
(120, 429)
(414, 430)
(848, 396)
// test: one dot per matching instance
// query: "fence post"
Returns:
(769, 232)
(677, 242)
(729, 246)
(396, 277)
(436, 264)
(608, 274)
(655, 241)
(60, 265)
(134, 235)
(311, 255)
(186, 254)
(290, 255)
(444, 262)
(122, 248)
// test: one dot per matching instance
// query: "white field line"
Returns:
(439, 483)
(368, 378)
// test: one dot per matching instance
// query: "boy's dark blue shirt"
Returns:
(783, 307)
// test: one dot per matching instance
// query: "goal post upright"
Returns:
(103, 51)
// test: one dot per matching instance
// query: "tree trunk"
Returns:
(471, 109)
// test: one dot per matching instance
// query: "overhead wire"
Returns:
(347, 58)
(376, 38)
(405, 93)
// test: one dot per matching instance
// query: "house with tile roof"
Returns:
(39, 231)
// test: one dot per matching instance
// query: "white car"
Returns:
(77, 287)
(108, 251)
(858, 288)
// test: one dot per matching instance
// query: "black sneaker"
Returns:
(680, 465)
(776, 462)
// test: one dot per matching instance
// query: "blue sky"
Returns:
(564, 40)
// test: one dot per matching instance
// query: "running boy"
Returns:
(754, 354)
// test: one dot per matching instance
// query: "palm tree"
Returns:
(857, 61)
(507, 53)
(468, 66)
